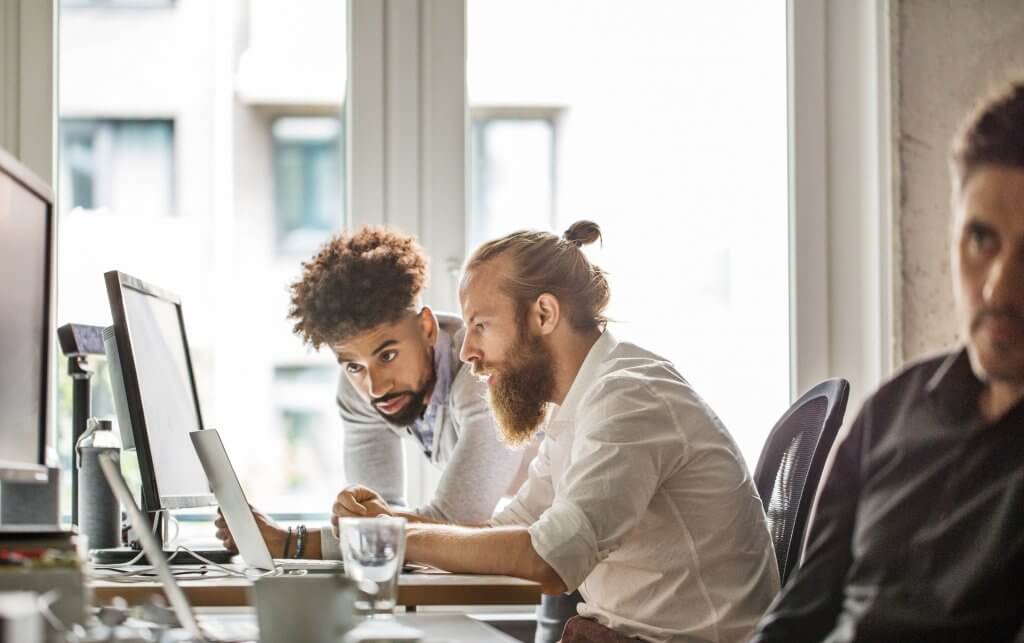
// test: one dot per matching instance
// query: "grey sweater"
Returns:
(477, 469)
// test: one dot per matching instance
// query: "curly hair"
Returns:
(356, 282)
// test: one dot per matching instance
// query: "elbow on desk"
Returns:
(550, 581)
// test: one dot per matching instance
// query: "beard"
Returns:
(519, 395)
(413, 408)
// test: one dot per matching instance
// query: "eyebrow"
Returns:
(342, 357)
(385, 344)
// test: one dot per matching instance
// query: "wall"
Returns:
(948, 53)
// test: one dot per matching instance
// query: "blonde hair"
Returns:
(544, 263)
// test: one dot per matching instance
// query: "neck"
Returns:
(572, 350)
(998, 398)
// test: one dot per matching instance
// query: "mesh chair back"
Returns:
(791, 463)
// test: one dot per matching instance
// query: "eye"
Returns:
(981, 238)
(480, 327)
(388, 356)
(353, 368)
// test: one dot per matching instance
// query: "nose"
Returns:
(1002, 281)
(469, 353)
(380, 383)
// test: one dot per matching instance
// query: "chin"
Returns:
(993, 364)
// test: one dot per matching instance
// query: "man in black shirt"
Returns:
(919, 529)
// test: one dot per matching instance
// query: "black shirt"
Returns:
(918, 534)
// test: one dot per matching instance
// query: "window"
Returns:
(513, 171)
(671, 134)
(120, 165)
(308, 178)
(308, 464)
(249, 171)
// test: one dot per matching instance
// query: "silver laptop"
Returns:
(219, 629)
(237, 512)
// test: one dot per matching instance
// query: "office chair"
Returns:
(791, 463)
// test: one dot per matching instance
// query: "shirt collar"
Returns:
(589, 370)
(954, 388)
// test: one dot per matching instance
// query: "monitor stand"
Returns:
(122, 555)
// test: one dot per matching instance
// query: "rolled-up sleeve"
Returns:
(627, 441)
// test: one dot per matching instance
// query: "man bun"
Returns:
(582, 233)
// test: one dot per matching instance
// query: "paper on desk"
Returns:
(383, 631)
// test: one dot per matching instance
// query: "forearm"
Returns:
(314, 547)
(415, 517)
(506, 551)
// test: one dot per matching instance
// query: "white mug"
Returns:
(315, 608)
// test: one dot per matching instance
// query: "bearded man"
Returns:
(401, 379)
(638, 496)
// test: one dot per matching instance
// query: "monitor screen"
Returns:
(160, 391)
(25, 289)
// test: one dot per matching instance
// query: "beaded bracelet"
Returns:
(300, 541)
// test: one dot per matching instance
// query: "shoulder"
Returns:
(450, 323)
(637, 386)
(640, 374)
(909, 382)
(467, 393)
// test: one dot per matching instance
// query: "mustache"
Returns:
(387, 398)
(1006, 313)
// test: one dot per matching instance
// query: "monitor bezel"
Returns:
(13, 471)
(116, 282)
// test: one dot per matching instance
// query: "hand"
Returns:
(359, 502)
(273, 534)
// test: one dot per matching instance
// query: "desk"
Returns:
(429, 588)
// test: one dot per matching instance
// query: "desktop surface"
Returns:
(415, 589)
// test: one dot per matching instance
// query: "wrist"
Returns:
(314, 547)
(287, 537)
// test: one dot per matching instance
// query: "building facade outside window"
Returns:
(125, 166)
(309, 179)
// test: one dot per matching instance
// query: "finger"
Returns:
(220, 523)
(342, 511)
(351, 504)
(377, 507)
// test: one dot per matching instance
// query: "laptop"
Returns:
(228, 629)
(237, 513)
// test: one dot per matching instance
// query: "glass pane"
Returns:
(171, 122)
(122, 166)
(308, 157)
(671, 134)
(513, 182)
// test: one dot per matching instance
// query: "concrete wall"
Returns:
(947, 53)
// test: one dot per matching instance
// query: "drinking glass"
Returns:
(374, 549)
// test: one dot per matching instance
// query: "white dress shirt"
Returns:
(640, 497)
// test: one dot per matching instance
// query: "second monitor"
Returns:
(155, 395)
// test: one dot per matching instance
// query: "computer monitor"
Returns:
(26, 308)
(155, 392)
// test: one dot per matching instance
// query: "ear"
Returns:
(428, 325)
(547, 313)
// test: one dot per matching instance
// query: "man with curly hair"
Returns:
(401, 379)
